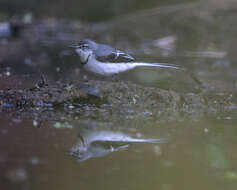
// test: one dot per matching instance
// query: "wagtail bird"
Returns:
(105, 60)
(92, 143)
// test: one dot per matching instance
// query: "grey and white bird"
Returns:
(91, 144)
(105, 60)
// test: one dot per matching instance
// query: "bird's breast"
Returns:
(107, 69)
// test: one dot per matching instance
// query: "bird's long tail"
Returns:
(161, 65)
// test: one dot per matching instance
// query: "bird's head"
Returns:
(84, 49)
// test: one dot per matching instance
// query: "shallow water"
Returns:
(36, 149)
(199, 154)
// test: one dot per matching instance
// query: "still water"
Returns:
(126, 149)
(198, 155)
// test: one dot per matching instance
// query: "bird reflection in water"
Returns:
(101, 143)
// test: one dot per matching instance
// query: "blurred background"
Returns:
(196, 35)
(92, 11)
(199, 35)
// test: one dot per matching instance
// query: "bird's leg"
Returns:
(117, 55)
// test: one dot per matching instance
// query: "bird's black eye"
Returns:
(84, 46)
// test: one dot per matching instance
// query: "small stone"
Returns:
(16, 120)
(69, 126)
(71, 107)
(35, 160)
(139, 135)
(57, 125)
(157, 150)
(206, 130)
(8, 73)
(85, 78)
(35, 123)
(58, 69)
(28, 61)
(17, 175)
(27, 18)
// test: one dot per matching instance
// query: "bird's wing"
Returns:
(113, 56)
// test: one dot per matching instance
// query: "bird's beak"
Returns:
(73, 46)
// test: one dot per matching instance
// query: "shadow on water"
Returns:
(54, 114)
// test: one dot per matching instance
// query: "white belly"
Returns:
(106, 69)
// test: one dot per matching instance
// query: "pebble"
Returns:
(35, 123)
(35, 160)
(17, 175)
(206, 130)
